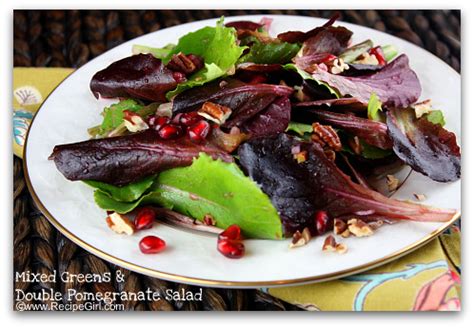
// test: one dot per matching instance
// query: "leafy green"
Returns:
(127, 193)
(208, 73)
(372, 152)
(113, 115)
(351, 54)
(159, 53)
(216, 45)
(305, 75)
(270, 53)
(300, 128)
(209, 187)
(374, 108)
(436, 117)
(389, 52)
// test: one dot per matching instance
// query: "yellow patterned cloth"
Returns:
(425, 280)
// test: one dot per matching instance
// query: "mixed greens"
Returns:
(233, 124)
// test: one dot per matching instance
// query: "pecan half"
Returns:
(326, 136)
(186, 64)
(214, 112)
(120, 224)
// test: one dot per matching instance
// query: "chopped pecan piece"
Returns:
(214, 112)
(392, 182)
(330, 245)
(325, 135)
(300, 238)
(186, 64)
(120, 224)
(359, 228)
(419, 197)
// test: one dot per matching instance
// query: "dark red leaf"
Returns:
(271, 121)
(428, 148)
(298, 36)
(140, 76)
(126, 159)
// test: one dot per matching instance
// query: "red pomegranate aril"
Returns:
(179, 77)
(158, 121)
(145, 219)
(151, 245)
(322, 222)
(190, 118)
(378, 53)
(232, 233)
(199, 131)
(328, 59)
(231, 249)
(170, 131)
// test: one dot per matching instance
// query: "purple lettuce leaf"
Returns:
(428, 148)
(298, 190)
(126, 159)
(395, 84)
(339, 104)
(332, 40)
(271, 121)
(300, 37)
(372, 132)
(244, 25)
(245, 100)
(140, 76)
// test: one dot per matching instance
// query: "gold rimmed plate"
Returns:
(192, 258)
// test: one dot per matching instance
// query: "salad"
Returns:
(235, 131)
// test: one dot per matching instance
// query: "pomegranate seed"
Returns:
(151, 245)
(322, 222)
(127, 115)
(232, 233)
(231, 249)
(170, 131)
(158, 121)
(179, 77)
(145, 219)
(378, 53)
(328, 58)
(199, 131)
(189, 119)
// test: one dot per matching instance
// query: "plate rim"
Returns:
(213, 282)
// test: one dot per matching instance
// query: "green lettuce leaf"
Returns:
(436, 117)
(374, 108)
(127, 193)
(389, 52)
(270, 53)
(209, 187)
(113, 115)
(216, 45)
(299, 128)
(160, 53)
(305, 75)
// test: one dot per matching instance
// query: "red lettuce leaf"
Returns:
(140, 76)
(244, 25)
(298, 190)
(332, 40)
(126, 159)
(298, 36)
(395, 84)
(372, 132)
(428, 148)
(340, 104)
(271, 121)
(244, 100)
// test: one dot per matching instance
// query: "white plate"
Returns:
(192, 258)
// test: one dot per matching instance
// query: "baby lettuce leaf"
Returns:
(139, 76)
(428, 148)
(436, 117)
(395, 84)
(374, 107)
(306, 76)
(270, 53)
(299, 128)
(160, 53)
(122, 160)
(113, 115)
(216, 45)
(209, 187)
(372, 132)
(127, 193)
(298, 190)
(272, 120)
(332, 40)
